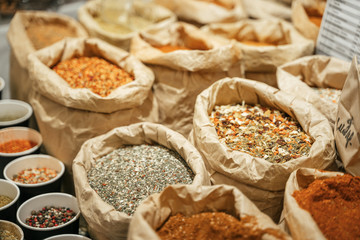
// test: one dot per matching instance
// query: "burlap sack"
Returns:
(299, 221)
(181, 75)
(190, 200)
(21, 45)
(256, 174)
(161, 17)
(103, 220)
(259, 9)
(261, 61)
(297, 77)
(67, 117)
(347, 125)
(200, 12)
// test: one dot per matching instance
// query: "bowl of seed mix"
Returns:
(9, 195)
(35, 174)
(10, 231)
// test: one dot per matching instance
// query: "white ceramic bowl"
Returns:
(13, 228)
(14, 113)
(68, 237)
(11, 190)
(48, 199)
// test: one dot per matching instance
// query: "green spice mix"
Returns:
(261, 132)
(4, 200)
(330, 94)
(7, 235)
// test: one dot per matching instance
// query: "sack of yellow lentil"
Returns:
(316, 79)
(261, 140)
(259, 9)
(137, 173)
(78, 93)
(265, 44)
(347, 125)
(185, 61)
(201, 12)
(208, 211)
(28, 32)
(100, 20)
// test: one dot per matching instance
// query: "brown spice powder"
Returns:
(334, 204)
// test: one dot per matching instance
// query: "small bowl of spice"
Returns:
(14, 113)
(48, 215)
(16, 142)
(2, 86)
(9, 195)
(68, 237)
(35, 174)
(10, 231)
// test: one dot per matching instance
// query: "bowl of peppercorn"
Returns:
(10, 230)
(48, 215)
(14, 113)
(35, 174)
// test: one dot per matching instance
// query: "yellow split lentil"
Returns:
(94, 73)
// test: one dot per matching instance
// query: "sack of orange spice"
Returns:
(253, 136)
(268, 9)
(265, 44)
(185, 61)
(28, 32)
(95, 88)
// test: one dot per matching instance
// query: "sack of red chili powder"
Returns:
(316, 79)
(259, 9)
(104, 220)
(265, 44)
(68, 115)
(101, 20)
(153, 216)
(185, 61)
(28, 32)
(261, 139)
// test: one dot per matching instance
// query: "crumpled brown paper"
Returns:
(21, 46)
(260, 9)
(190, 200)
(103, 220)
(181, 75)
(154, 12)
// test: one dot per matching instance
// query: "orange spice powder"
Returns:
(169, 48)
(257, 44)
(15, 146)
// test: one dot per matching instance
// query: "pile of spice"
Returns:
(315, 15)
(261, 132)
(4, 200)
(35, 175)
(330, 94)
(50, 216)
(213, 225)
(334, 204)
(96, 74)
(7, 235)
(17, 145)
(128, 175)
(170, 48)
(258, 44)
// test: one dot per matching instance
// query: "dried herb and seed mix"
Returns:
(126, 176)
(17, 145)
(35, 175)
(96, 74)
(7, 235)
(50, 216)
(330, 94)
(4, 200)
(261, 132)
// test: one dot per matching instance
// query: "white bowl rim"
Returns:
(18, 120)
(50, 228)
(17, 195)
(32, 185)
(67, 235)
(15, 225)
(2, 84)
(33, 149)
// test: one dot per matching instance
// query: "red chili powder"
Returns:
(334, 204)
(18, 145)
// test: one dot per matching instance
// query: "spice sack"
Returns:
(28, 32)
(259, 9)
(316, 79)
(104, 221)
(251, 144)
(154, 213)
(185, 61)
(101, 21)
(67, 116)
(265, 44)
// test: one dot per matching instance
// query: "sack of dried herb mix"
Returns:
(265, 44)
(132, 152)
(185, 61)
(28, 32)
(101, 22)
(117, 92)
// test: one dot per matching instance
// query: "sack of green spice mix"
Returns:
(265, 44)
(101, 21)
(262, 139)
(68, 115)
(28, 32)
(154, 213)
(185, 61)
(105, 220)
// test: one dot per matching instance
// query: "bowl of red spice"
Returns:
(10, 231)
(48, 215)
(9, 196)
(14, 113)
(35, 174)
(16, 142)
